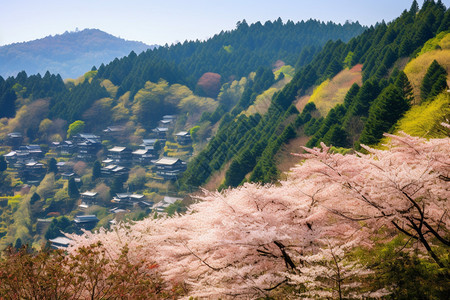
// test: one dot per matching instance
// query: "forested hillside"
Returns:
(163, 104)
(69, 54)
(231, 54)
(364, 114)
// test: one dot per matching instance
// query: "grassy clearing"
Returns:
(263, 101)
(436, 49)
(332, 92)
(423, 120)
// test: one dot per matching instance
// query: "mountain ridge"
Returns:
(69, 54)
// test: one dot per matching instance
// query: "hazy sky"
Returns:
(160, 22)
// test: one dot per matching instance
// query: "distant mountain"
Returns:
(69, 54)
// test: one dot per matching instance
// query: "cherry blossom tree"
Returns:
(296, 236)
(404, 188)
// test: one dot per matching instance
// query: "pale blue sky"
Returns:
(160, 22)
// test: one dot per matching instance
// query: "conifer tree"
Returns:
(403, 83)
(385, 111)
(414, 8)
(432, 81)
(72, 189)
(52, 166)
(96, 170)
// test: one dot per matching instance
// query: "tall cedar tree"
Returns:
(52, 167)
(96, 170)
(434, 82)
(385, 111)
(72, 189)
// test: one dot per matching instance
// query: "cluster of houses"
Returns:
(85, 147)
(27, 160)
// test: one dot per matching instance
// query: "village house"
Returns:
(167, 121)
(83, 137)
(120, 155)
(60, 242)
(63, 167)
(68, 175)
(143, 156)
(161, 206)
(183, 138)
(127, 199)
(87, 222)
(113, 132)
(87, 150)
(23, 155)
(148, 144)
(88, 198)
(64, 147)
(170, 168)
(32, 172)
(161, 133)
(87, 146)
(15, 139)
(113, 171)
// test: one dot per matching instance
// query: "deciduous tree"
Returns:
(254, 241)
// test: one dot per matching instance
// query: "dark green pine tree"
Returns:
(117, 185)
(350, 96)
(234, 176)
(389, 106)
(3, 164)
(72, 189)
(96, 170)
(53, 230)
(432, 81)
(52, 166)
(414, 8)
(439, 85)
(336, 136)
(403, 83)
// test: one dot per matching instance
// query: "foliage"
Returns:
(332, 92)
(175, 208)
(438, 42)
(72, 189)
(57, 226)
(417, 67)
(52, 167)
(209, 85)
(75, 128)
(296, 239)
(252, 46)
(89, 272)
(389, 106)
(425, 120)
(136, 179)
(287, 70)
(434, 81)
(96, 170)
(409, 276)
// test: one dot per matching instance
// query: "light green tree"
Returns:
(75, 128)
